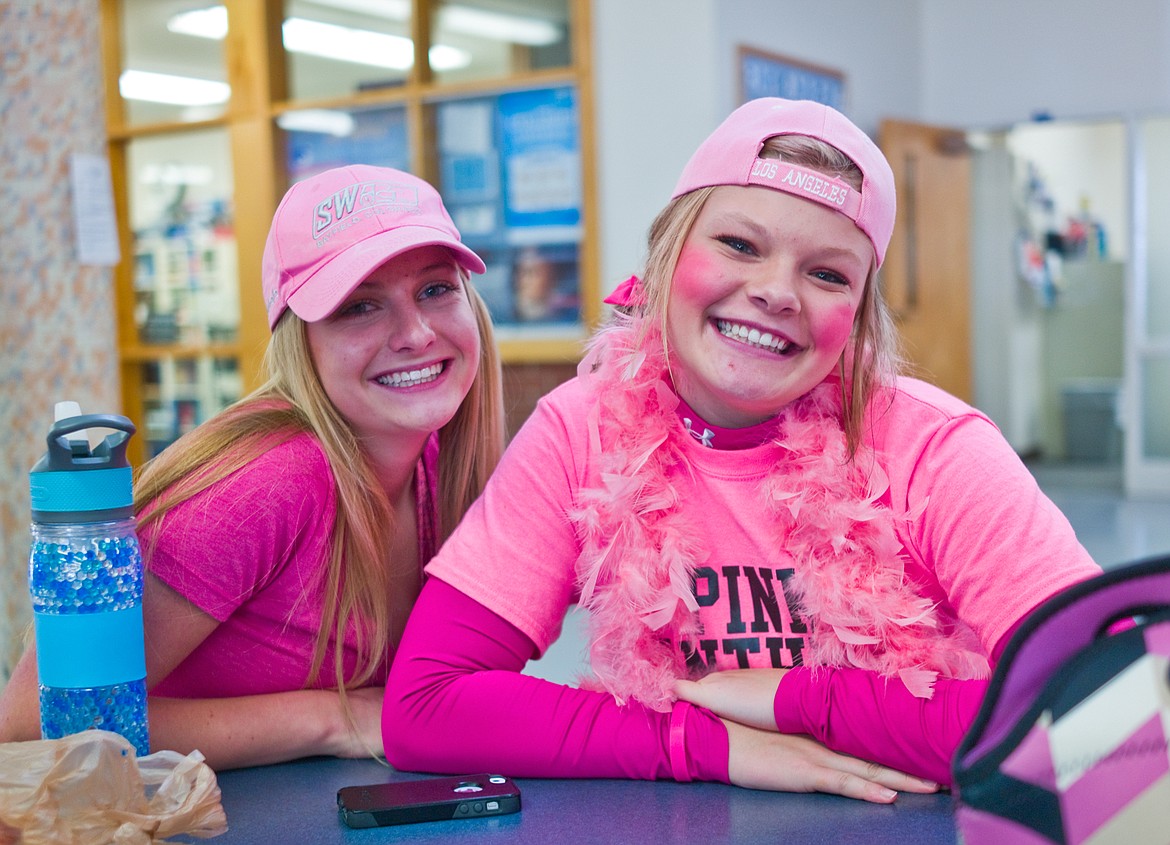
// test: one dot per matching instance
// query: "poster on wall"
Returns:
(763, 74)
(317, 139)
(540, 149)
(469, 167)
(510, 174)
(95, 229)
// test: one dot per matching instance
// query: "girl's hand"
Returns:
(770, 760)
(746, 696)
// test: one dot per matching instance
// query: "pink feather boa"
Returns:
(639, 550)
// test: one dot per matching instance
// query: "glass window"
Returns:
(1156, 408)
(1156, 141)
(172, 62)
(510, 174)
(186, 284)
(1155, 359)
(486, 39)
(180, 392)
(180, 198)
(335, 48)
(342, 47)
(317, 139)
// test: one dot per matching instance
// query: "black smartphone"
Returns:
(429, 800)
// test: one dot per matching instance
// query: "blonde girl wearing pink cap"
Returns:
(799, 566)
(284, 538)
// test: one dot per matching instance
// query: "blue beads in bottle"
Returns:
(85, 580)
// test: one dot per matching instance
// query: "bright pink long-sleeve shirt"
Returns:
(984, 546)
(460, 704)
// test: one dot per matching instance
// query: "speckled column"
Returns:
(57, 317)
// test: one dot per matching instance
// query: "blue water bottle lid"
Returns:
(73, 482)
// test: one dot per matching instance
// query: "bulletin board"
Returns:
(763, 74)
(510, 175)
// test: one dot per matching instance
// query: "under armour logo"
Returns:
(705, 438)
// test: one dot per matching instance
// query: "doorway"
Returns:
(1071, 250)
(1072, 351)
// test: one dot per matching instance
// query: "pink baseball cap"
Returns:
(334, 229)
(730, 156)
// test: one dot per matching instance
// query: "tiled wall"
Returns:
(57, 336)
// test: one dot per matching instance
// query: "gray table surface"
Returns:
(296, 803)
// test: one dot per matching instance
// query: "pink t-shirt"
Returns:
(986, 545)
(250, 551)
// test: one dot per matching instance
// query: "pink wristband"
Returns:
(678, 745)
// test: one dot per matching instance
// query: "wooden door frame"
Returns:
(926, 277)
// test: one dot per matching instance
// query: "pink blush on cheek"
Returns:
(694, 274)
(837, 327)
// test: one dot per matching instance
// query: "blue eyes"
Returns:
(737, 244)
(746, 248)
(829, 276)
(354, 308)
(435, 290)
(366, 304)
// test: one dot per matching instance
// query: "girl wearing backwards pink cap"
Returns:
(284, 538)
(762, 518)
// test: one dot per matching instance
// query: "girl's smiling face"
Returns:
(762, 302)
(399, 355)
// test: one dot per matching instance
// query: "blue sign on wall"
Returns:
(540, 150)
(373, 136)
(765, 75)
(510, 174)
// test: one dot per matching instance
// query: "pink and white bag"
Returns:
(1070, 744)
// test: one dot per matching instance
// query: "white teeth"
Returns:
(410, 378)
(752, 337)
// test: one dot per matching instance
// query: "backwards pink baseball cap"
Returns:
(730, 156)
(334, 229)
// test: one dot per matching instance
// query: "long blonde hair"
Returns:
(356, 582)
(872, 357)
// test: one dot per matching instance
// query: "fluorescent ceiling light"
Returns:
(343, 44)
(482, 23)
(174, 90)
(340, 43)
(175, 174)
(363, 46)
(203, 23)
(391, 10)
(511, 29)
(443, 57)
(326, 121)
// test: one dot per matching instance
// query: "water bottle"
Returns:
(85, 579)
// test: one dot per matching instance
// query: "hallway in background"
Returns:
(1113, 528)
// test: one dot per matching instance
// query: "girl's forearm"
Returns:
(258, 730)
(456, 701)
(861, 713)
